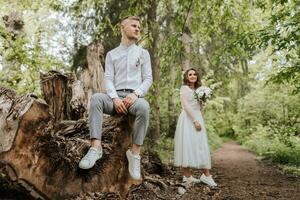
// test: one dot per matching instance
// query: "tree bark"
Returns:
(88, 63)
(57, 91)
(154, 30)
(92, 75)
(243, 78)
(186, 40)
(172, 117)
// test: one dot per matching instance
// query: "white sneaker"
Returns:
(134, 165)
(208, 180)
(89, 160)
(190, 179)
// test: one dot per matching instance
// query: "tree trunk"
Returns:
(154, 30)
(42, 156)
(172, 116)
(92, 76)
(88, 63)
(173, 74)
(243, 78)
(186, 40)
(57, 91)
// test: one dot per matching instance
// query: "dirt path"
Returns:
(241, 176)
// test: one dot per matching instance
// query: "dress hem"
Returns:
(196, 167)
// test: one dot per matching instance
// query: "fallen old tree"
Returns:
(41, 143)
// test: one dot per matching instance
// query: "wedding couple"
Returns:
(128, 76)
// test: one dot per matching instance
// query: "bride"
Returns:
(191, 144)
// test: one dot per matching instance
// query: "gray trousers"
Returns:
(102, 103)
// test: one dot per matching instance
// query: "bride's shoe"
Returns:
(190, 179)
(208, 180)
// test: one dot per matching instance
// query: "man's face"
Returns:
(131, 29)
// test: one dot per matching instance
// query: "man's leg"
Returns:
(141, 110)
(100, 103)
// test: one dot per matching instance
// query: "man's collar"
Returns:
(127, 47)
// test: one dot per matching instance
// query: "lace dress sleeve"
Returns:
(184, 96)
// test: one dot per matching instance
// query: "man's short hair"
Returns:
(131, 18)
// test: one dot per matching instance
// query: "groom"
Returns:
(127, 78)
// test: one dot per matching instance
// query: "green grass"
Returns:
(285, 154)
(290, 169)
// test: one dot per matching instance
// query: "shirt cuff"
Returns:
(113, 95)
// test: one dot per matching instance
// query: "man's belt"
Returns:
(125, 90)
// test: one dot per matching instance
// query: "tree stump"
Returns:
(58, 92)
(41, 154)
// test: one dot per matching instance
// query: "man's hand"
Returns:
(130, 99)
(197, 126)
(120, 107)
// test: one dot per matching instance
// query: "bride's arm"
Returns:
(184, 96)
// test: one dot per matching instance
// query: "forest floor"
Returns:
(239, 174)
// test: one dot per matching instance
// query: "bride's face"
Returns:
(192, 76)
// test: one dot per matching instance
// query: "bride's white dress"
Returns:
(191, 146)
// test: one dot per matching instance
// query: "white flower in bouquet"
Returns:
(203, 93)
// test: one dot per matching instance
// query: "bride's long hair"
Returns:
(186, 80)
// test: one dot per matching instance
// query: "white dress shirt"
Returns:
(127, 68)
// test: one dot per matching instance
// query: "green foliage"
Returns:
(164, 147)
(22, 62)
(273, 146)
(268, 123)
(289, 74)
(281, 33)
(25, 54)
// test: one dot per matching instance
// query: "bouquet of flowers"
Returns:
(202, 94)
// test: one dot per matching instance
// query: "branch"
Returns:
(187, 14)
